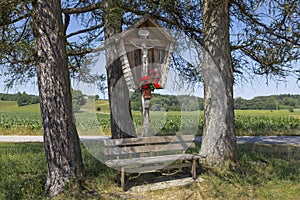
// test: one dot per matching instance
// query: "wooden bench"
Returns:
(148, 154)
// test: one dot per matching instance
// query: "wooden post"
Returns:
(123, 178)
(145, 115)
(194, 169)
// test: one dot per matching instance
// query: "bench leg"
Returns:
(194, 169)
(123, 178)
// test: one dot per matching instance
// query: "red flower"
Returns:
(157, 85)
(145, 78)
(151, 81)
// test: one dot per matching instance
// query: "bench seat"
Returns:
(149, 160)
(147, 154)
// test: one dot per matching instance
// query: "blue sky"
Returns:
(259, 87)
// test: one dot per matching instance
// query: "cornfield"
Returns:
(166, 123)
(20, 123)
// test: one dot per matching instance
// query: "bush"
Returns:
(34, 100)
(24, 99)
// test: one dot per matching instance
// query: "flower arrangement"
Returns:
(151, 81)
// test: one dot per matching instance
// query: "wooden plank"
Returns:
(148, 160)
(152, 168)
(148, 140)
(149, 148)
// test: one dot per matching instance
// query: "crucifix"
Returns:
(144, 73)
(153, 45)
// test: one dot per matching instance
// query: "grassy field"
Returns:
(264, 172)
(26, 120)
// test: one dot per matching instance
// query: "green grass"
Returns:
(22, 171)
(264, 172)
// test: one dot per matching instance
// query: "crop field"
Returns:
(26, 120)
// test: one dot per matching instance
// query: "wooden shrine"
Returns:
(145, 50)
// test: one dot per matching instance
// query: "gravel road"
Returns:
(294, 140)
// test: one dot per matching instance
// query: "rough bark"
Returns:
(119, 100)
(61, 141)
(219, 139)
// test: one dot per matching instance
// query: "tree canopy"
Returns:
(264, 35)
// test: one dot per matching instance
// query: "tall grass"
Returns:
(264, 172)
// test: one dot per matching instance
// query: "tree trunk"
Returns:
(61, 141)
(118, 93)
(219, 139)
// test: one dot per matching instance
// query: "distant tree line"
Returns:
(22, 99)
(273, 102)
(161, 102)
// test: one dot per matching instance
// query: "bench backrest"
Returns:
(166, 144)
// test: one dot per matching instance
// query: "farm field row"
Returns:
(26, 120)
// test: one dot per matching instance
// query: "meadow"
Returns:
(26, 120)
(264, 172)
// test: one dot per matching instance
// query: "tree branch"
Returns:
(89, 8)
(86, 51)
(85, 30)
(236, 47)
(264, 26)
(164, 19)
(3, 23)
